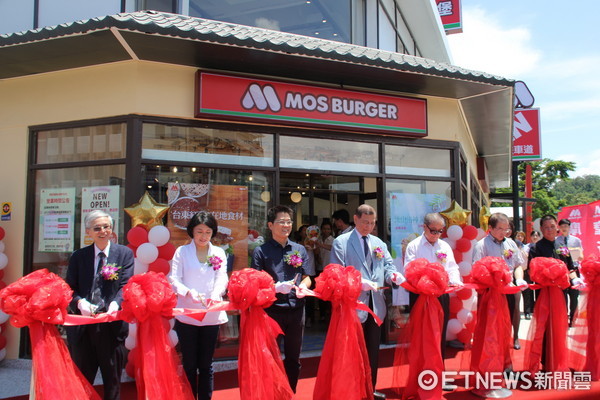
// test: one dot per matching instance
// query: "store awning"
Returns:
(176, 39)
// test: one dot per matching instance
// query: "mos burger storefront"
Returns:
(208, 115)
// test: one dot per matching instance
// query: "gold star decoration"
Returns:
(147, 212)
(484, 216)
(455, 215)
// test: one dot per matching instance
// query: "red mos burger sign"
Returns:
(275, 102)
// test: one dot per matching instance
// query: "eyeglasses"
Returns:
(434, 232)
(283, 222)
(100, 228)
(502, 230)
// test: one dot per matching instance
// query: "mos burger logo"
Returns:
(575, 214)
(265, 98)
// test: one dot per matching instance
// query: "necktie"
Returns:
(366, 246)
(96, 297)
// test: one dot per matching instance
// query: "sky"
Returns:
(552, 47)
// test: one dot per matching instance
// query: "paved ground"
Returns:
(15, 375)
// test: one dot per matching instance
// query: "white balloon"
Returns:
(3, 260)
(468, 303)
(139, 267)
(536, 224)
(2, 246)
(3, 317)
(454, 232)
(172, 322)
(173, 338)
(465, 316)
(133, 329)
(468, 256)
(480, 234)
(159, 235)
(450, 336)
(2, 354)
(451, 243)
(147, 253)
(464, 268)
(130, 342)
(454, 326)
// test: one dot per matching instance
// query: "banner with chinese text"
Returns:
(105, 198)
(229, 205)
(57, 216)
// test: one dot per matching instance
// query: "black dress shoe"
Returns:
(527, 316)
(517, 345)
(378, 395)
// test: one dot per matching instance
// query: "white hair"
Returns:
(94, 215)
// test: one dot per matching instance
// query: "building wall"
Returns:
(118, 89)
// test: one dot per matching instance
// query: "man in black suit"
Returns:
(97, 274)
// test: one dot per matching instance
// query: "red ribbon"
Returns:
(549, 316)
(344, 370)
(420, 347)
(39, 300)
(492, 335)
(261, 374)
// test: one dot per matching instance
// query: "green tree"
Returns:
(579, 190)
(546, 175)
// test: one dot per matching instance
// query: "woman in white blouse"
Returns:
(199, 275)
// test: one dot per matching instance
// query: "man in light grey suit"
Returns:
(369, 255)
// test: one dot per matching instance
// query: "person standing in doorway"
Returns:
(369, 255)
(97, 274)
(285, 261)
(341, 221)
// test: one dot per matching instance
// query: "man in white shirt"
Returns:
(433, 249)
(573, 243)
(496, 244)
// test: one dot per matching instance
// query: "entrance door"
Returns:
(314, 198)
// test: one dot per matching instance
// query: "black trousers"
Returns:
(572, 299)
(291, 322)
(198, 345)
(528, 298)
(99, 346)
(445, 303)
(372, 333)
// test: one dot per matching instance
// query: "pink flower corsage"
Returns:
(441, 255)
(110, 272)
(378, 253)
(563, 251)
(507, 253)
(293, 258)
(215, 262)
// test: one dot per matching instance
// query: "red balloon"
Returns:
(2, 342)
(469, 232)
(2, 233)
(166, 251)
(458, 257)
(132, 247)
(466, 279)
(464, 294)
(463, 245)
(464, 336)
(2, 285)
(471, 325)
(137, 235)
(1, 274)
(160, 265)
(456, 304)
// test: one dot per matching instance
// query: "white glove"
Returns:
(299, 293)
(459, 283)
(196, 297)
(398, 278)
(113, 307)
(86, 307)
(368, 285)
(576, 281)
(522, 282)
(284, 287)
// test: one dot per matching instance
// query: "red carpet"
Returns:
(226, 384)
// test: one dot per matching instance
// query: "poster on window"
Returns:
(105, 198)
(229, 205)
(406, 222)
(57, 216)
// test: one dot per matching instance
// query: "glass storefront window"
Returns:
(317, 18)
(101, 142)
(402, 160)
(58, 211)
(328, 155)
(206, 145)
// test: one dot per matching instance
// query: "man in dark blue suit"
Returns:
(369, 255)
(97, 274)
